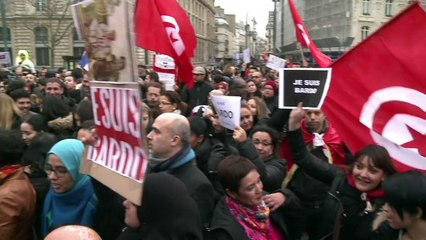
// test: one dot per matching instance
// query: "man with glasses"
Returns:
(198, 95)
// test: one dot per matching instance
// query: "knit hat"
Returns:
(272, 84)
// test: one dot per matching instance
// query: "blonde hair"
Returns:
(9, 111)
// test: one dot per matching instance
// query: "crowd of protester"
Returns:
(280, 174)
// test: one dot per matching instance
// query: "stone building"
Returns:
(45, 29)
(335, 25)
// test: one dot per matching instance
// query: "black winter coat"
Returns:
(344, 215)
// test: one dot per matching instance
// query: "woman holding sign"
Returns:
(353, 199)
(71, 198)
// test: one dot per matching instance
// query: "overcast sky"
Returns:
(258, 9)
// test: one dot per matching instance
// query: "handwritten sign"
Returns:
(228, 109)
(275, 62)
(307, 85)
(168, 80)
(120, 148)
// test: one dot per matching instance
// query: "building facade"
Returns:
(335, 25)
(226, 47)
(45, 28)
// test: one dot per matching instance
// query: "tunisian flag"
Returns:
(378, 91)
(163, 26)
(305, 38)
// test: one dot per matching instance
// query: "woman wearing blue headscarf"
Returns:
(71, 198)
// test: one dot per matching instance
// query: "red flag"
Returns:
(378, 91)
(305, 38)
(163, 26)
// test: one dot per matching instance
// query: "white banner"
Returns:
(246, 55)
(168, 79)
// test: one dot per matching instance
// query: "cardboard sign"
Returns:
(275, 62)
(228, 109)
(307, 85)
(119, 158)
(107, 29)
(164, 62)
(5, 58)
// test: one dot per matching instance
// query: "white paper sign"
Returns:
(164, 62)
(275, 62)
(228, 109)
(246, 55)
(168, 79)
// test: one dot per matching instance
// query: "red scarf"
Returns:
(371, 195)
(6, 171)
(255, 221)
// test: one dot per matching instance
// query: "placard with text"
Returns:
(228, 109)
(307, 85)
(119, 159)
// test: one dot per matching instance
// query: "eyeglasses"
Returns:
(60, 171)
(265, 144)
(198, 74)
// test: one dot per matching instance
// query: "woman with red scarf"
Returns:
(247, 212)
(354, 199)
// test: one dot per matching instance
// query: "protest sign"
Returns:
(118, 159)
(307, 85)
(275, 62)
(168, 80)
(5, 58)
(164, 62)
(246, 55)
(228, 109)
(107, 29)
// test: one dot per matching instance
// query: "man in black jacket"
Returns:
(170, 151)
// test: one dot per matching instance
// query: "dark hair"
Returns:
(84, 110)
(55, 107)
(198, 125)
(406, 192)
(19, 93)
(153, 76)
(232, 169)
(12, 146)
(379, 156)
(15, 85)
(155, 85)
(38, 122)
(50, 74)
(275, 136)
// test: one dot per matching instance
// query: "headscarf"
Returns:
(77, 206)
(70, 151)
(167, 211)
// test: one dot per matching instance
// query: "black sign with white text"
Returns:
(307, 85)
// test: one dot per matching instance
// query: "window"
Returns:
(42, 50)
(42, 56)
(78, 45)
(40, 5)
(7, 34)
(366, 7)
(41, 35)
(388, 8)
(364, 32)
